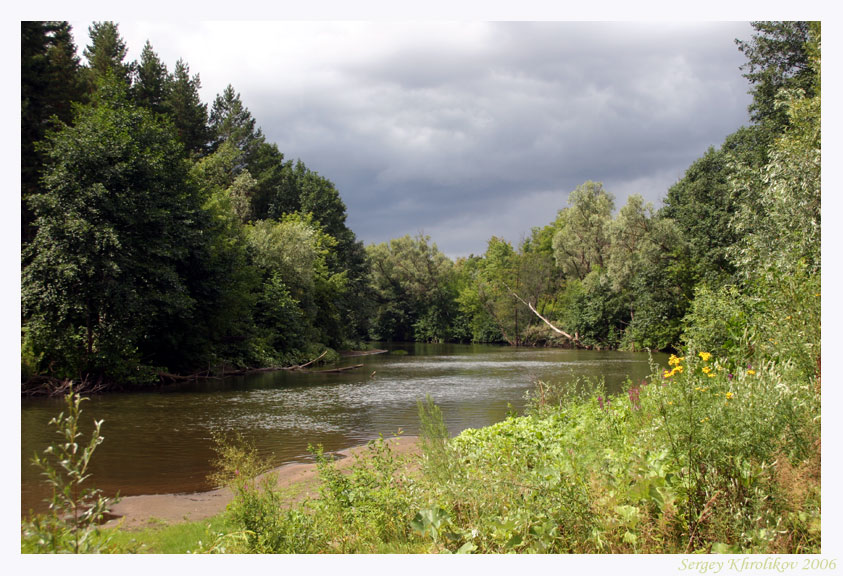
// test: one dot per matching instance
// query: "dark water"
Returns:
(161, 442)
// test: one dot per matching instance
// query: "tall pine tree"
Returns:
(49, 84)
(151, 80)
(188, 113)
(106, 54)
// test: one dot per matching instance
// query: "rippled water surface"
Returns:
(161, 442)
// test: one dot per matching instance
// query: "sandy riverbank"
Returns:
(136, 512)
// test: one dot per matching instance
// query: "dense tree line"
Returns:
(163, 235)
(160, 235)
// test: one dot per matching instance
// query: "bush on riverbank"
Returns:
(707, 456)
(698, 459)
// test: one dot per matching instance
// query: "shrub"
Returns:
(76, 510)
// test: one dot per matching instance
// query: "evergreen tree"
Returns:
(49, 84)
(106, 53)
(151, 80)
(232, 122)
(186, 110)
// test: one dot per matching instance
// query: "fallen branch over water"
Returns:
(50, 386)
(352, 353)
(300, 366)
(343, 369)
(206, 375)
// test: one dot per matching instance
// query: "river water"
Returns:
(162, 442)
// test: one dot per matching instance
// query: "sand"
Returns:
(302, 480)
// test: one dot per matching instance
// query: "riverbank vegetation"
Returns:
(714, 455)
(163, 236)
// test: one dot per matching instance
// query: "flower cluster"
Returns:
(676, 362)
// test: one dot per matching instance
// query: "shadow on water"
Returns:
(162, 442)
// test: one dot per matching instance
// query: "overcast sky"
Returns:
(467, 130)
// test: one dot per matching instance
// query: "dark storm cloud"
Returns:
(489, 138)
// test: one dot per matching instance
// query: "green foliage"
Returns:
(780, 226)
(174, 239)
(148, 263)
(179, 538)
(718, 321)
(707, 457)
(186, 110)
(775, 307)
(106, 54)
(363, 509)
(261, 522)
(49, 84)
(151, 80)
(369, 505)
(76, 509)
(702, 206)
(413, 287)
(583, 236)
(117, 222)
(230, 121)
(778, 57)
(433, 437)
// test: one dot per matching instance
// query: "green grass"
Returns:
(178, 538)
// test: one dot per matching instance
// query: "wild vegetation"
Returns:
(76, 509)
(718, 452)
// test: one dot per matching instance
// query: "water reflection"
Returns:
(160, 443)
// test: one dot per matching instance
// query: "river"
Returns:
(162, 442)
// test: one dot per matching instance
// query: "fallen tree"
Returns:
(575, 339)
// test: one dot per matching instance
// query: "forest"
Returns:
(163, 235)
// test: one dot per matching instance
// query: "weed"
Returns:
(76, 510)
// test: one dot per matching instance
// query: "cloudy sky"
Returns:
(472, 129)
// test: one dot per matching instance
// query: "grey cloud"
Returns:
(422, 136)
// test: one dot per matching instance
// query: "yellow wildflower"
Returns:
(674, 360)
(705, 356)
(706, 369)
(750, 372)
(729, 395)
(711, 375)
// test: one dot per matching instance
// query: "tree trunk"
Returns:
(575, 339)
